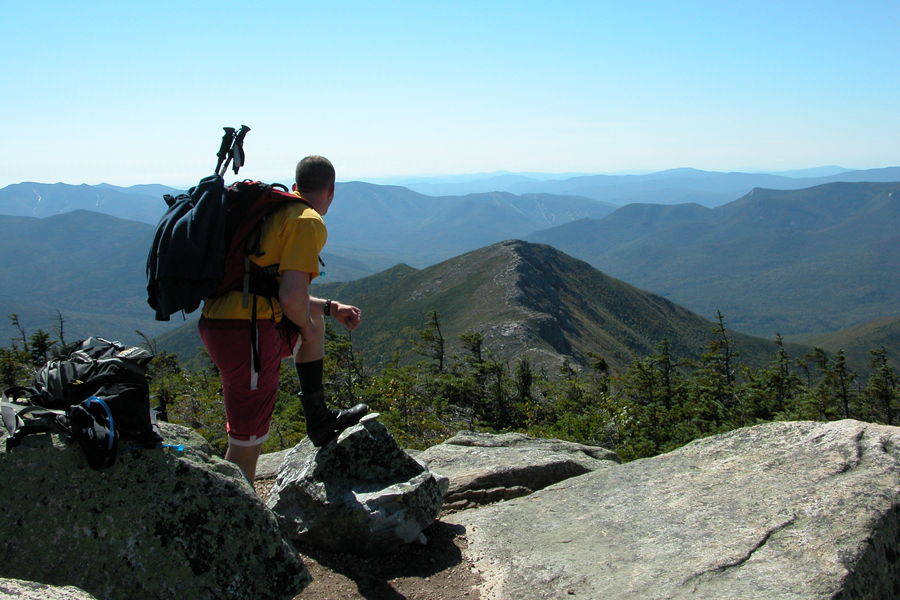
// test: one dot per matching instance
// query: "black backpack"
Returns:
(97, 390)
(204, 241)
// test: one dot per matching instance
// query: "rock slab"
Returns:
(155, 526)
(484, 468)
(361, 494)
(780, 511)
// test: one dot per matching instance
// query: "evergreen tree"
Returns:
(883, 389)
(431, 340)
(841, 379)
(773, 392)
(41, 347)
(712, 392)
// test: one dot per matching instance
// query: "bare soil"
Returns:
(434, 571)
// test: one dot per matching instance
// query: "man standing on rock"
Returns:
(291, 324)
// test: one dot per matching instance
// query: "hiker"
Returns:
(293, 324)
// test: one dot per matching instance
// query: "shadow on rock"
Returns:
(373, 576)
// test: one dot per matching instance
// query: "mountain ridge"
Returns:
(529, 300)
(526, 301)
(778, 251)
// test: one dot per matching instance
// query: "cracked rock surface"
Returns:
(796, 510)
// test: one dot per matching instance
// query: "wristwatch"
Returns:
(328, 308)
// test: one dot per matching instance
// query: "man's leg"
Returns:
(309, 360)
(249, 397)
(314, 349)
(322, 423)
(245, 457)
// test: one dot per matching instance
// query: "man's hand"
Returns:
(348, 316)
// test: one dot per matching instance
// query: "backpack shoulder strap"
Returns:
(18, 427)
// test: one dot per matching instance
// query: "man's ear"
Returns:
(293, 187)
(331, 192)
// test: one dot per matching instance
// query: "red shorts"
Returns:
(249, 397)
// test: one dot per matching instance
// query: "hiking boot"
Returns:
(323, 424)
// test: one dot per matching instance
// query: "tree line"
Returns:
(658, 403)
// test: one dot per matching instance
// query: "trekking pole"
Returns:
(224, 148)
(237, 149)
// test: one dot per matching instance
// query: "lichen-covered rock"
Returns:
(156, 525)
(14, 589)
(361, 494)
(485, 468)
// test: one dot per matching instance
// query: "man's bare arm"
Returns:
(293, 294)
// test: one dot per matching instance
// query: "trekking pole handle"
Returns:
(242, 132)
(224, 148)
(237, 149)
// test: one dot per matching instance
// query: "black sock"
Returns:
(310, 375)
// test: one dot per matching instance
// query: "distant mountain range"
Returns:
(376, 224)
(142, 203)
(86, 265)
(682, 186)
(91, 268)
(796, 262)
(804, 261)
(676, 186)
(384, 225)
(526, 300)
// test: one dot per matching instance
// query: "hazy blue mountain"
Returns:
(826, 171)
(91, 268)
(86, 265)
(45, 200)
(377, 224)
(153, 189)
(680, 186)
(797, 261)
(412, 182)
(478, 185)
(459, 185)
(801, 261)
(384, 225)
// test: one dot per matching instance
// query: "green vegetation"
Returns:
(654, 405)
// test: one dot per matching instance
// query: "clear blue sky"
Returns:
(137, 92)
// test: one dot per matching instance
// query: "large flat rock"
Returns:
(793, 511)
(485, 468)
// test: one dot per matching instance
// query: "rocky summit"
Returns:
(359, 494)
(780, 511)
(155, 525)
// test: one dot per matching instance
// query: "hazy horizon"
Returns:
(401, 180)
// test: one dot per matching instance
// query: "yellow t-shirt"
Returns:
(292, 238)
